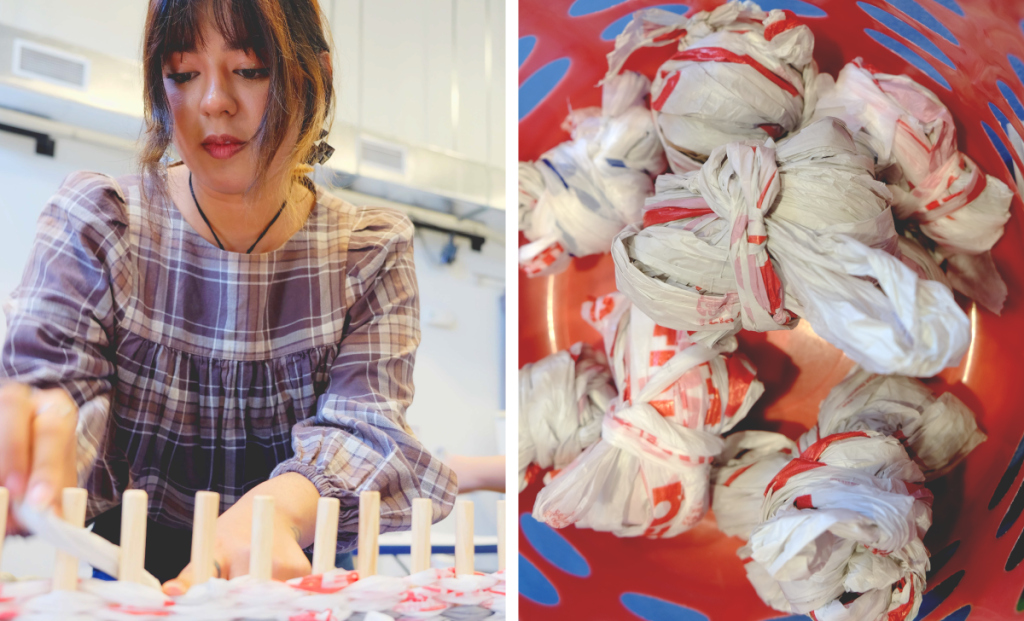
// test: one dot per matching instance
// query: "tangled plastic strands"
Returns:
(836, 530)
(739, 74)
(648, 474)
(763, 234)
(577, 196)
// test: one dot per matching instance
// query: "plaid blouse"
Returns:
(200, 369)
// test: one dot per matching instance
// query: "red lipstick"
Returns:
(222, 146)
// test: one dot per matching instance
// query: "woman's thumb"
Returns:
(181, 584)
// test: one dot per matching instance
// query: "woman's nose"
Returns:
(218, 98)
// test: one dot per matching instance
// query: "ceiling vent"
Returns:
(40, 62)
(383, 155)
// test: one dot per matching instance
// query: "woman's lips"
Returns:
(221, 150)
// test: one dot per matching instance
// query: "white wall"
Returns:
(108, 26)
(429, 72)
(29, 180)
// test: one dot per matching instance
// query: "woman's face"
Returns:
(217, 97)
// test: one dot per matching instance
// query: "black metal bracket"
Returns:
(476, 242)
(44, 144)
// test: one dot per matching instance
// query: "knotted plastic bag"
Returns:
(837, 529)
(648, 475)
(561, 400)
(739, 73)
(937, 432)
(910, 130)
(764, 233)
(577, 196)
(841, 523)
(750, 461)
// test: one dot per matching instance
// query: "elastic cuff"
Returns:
(316, 477)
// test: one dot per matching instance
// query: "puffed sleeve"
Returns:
(61, 318)
(359, 440)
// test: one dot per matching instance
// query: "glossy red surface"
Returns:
(699, 569)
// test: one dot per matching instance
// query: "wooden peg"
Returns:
(501, 535)
(134, 512)
(204, 535)
(261, 550)
(325, 540)
(369, 529)
(464, 537)
(422, 516)
(65, 566)
(5, 498)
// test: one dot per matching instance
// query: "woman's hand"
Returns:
(295, 501)
(37, 445)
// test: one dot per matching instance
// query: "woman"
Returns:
(219, 323)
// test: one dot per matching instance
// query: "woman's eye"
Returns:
(181, 78)
(253, 74)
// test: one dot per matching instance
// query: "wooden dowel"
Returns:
(65, 566)
(501, 535)
(261, 551)
(5, 498)
(204, 535)
(369, 529)
(463, 537)
(325, 540)
(422, 516)
(134, 511)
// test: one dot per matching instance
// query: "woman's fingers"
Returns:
(53, 447)
(15, 433)
(181, 584)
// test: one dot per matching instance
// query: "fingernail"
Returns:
(39, 495)
(173, 588)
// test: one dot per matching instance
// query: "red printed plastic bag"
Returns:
(937, 432)
(907, 127)
(763, 234)
(739, 74)
(648, 475)
(846, 516)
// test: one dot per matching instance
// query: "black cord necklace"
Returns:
(214, 233)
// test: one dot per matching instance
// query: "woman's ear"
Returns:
(325, 64)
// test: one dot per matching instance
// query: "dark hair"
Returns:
(288, 36)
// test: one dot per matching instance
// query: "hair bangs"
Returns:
(178, 27)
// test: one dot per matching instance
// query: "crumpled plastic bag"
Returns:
(740, 73)
(842, 522)
(648, 475)
(709, 394)
(561, 400)
(909, 129)
(937, 432)
(750, 461)
(765, 233)
(836, 529)
(577, 196)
